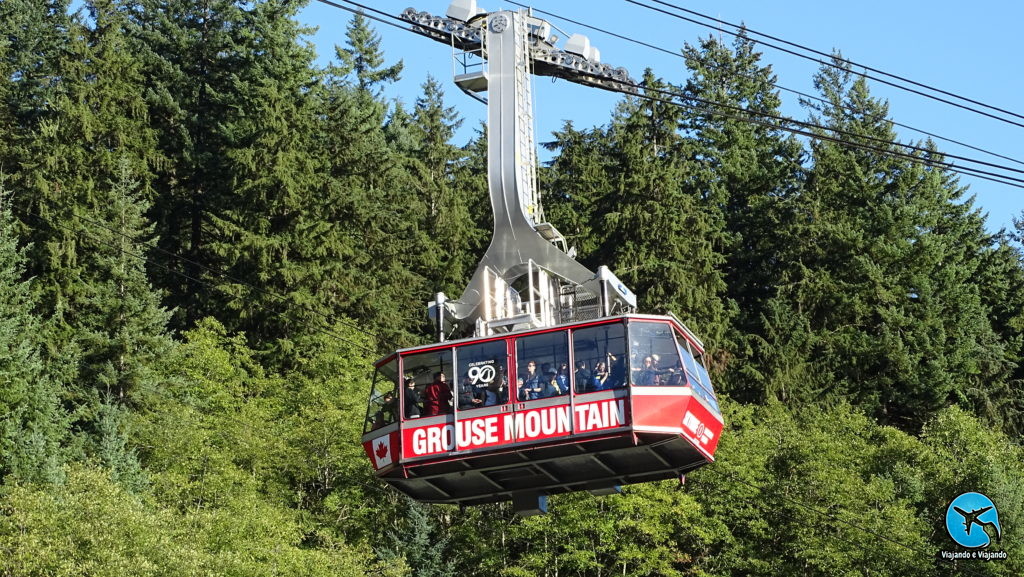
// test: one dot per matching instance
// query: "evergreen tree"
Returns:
(121, 326)
(114, 448)
(119, 330)
(364, 142)
(8, 130)
(364, 57)
(267, 228)
(449, 259)
(659, 233)
(190, 58)
(34, 34)
(32, 424)
(884, 284)
(97, 122)
(999, 279)
(573, 183)
(38, 39)
(88, 195)
(750, 171)
(419, 543)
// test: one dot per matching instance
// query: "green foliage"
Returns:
(365, 59)
(867, 329)
(34, 33)
(574, 182)
(200, 434)
(82, 170)
(268, 228)
(753, 174)
(87, 526)
(449, 256)
(189, 54)
(816, 495)
(95, 124)
(418, 544)
(122, 325)
(880, 306)
(32, 424)
(999, 278)
(363, 141)
(91, 526)
(241, 453)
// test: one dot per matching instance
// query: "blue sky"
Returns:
(964, 48)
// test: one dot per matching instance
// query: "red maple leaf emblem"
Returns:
(382, 450)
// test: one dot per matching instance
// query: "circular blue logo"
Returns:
(972, 521)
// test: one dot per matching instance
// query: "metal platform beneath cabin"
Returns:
(596, 465)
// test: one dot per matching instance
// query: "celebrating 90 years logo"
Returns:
(972, 521)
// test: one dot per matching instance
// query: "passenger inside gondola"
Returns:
(595, 351)
(617, 373)
(544, 354)
(481, 382)
(657, 352)
(645, 375)
(496, 393)
(664, 373)
(549, 386)
(524, 392)
(386, 412)
(413, 406)
(563, 379)
(438, 396)
(500, 385)
(582, 378)
(600, 378)
(652, 374)
(532, 383)
(383, 408)
(468, 396)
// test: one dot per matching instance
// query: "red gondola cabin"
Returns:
(585, 406)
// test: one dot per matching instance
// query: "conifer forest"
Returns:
(208, 236)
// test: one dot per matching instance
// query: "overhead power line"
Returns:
(363, 9)
(849, 62)
(828, 62)
(679, 55)
(678, 99)
(800, 128)
(812, 126)
(806, 129)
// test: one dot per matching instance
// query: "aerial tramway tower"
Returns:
(556, 384)
(497, 53)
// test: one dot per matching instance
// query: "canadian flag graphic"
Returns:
(700, 432)
(382, 451)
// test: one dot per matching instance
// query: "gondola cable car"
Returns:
(557, 383)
